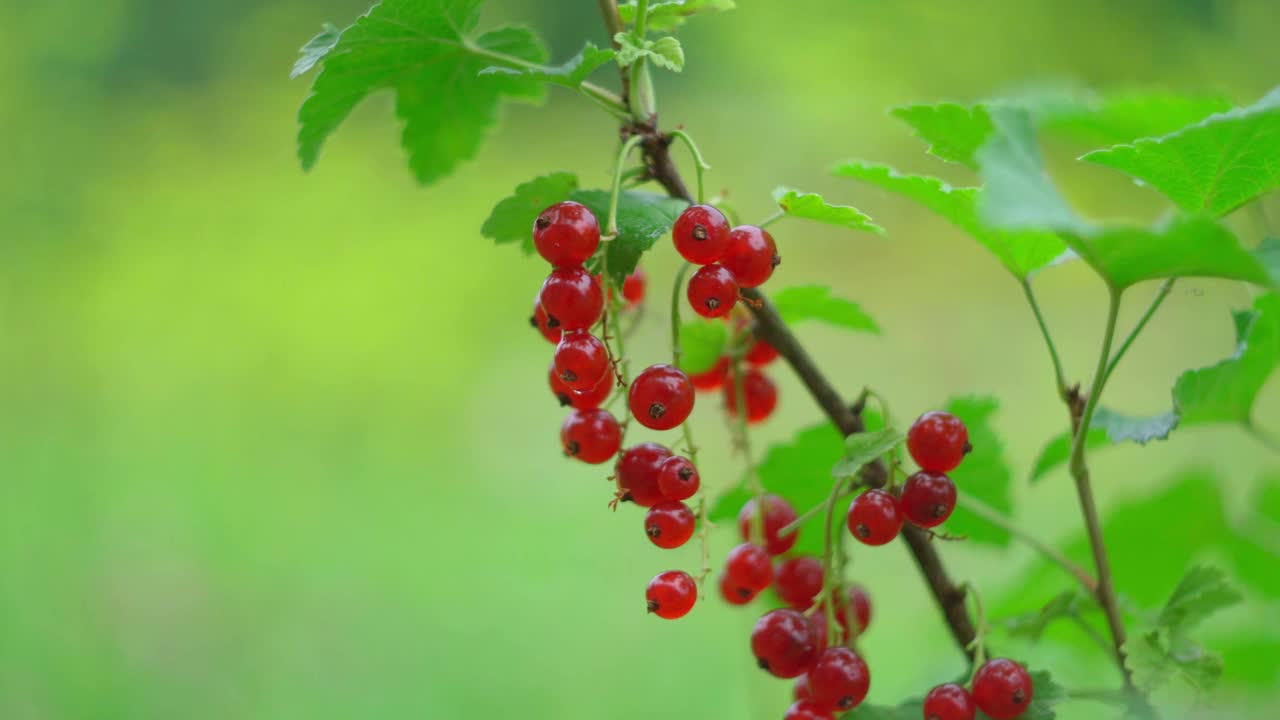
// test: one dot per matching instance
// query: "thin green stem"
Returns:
(771, 219)
(979, 643)
(607, 99)
(809, 514)
(991, 515)
(611, 231)
(643, 105)
(1156, 302)
(830, 582)
(1059, 376)
(698, 163)
(675, 314)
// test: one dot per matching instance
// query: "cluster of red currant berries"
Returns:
(1001, 688)
(731, 259)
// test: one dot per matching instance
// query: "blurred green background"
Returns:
(277, 445)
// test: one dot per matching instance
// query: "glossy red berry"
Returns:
(701, 234)
(581, 360)
(733, 593)
(800, 691)
(938, 441)
(661, 397)
(807, 710)
(778, 514)
(633, 287)
(798, 581)
(712, 291)
(761, 353)
(751, 255)
(592, 436)
(539, 322)
(669, 524)
(855, 614)
(760, 393)
(637, 473)
(783, 643)
(818, 627)
(928, 498)
(713, 377)
(566, 234)
(579, 400)
(874, 517)
(678, 479)
(571, 298)
(949, 702)
(839, 679)
(749, 566)
(671, 594)
(1002, 689)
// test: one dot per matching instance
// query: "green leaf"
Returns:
(1203, 591)
(702, 343)
(511, 220)
(430, 53)
(671, 15)
(1154, 658)
(815, 302)
(667, 53)
(728, 503)
(1058, 450)
(1064, 606)
(863, 448)
(984, 474)
(571, 74)
(1213, 166)
(1021, 252)
(1226, 391)
(954, 132)
(1125, 116)
(642, 219)
(315, 49)
(1142, 430)
(800, 471)
(811, 206)
(629, 49)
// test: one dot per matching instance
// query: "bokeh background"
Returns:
(278, 445)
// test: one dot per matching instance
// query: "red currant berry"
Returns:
(949, 702)
(581, 360)
(713, 378)
(633, 287)
(539, 322)
(669, 524)
(1002, 689)
(571, 298)
(857, 610)
(798, 581)
(712, 291)
(701, 234)
(782, 641)
(761, 353)
(760, 393)
(678, 478)
(938, 441)
(749, 566)
(818, 626)
(637, 473)
(751, 255)
(839, 679)
(671, 594)
(661, 397)
(733, 593)
(579, 400)
(566, 234)
(928, 498)
(874, 517)
(807, 710)
(778, 514)
(800, 691)
(592, 436)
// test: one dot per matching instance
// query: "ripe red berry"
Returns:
(671, 594)
(712, 291)
(678, 479)
(761, 353)
(661, 397)
(751, 255)
(1002, 689)
(579, 400)
(807, 710)
(749, 566)
(856, 610)
(928, 498)
(571, 298)
(783, 643)
(949, 702)
(778, 514)
(798, 581)
(701, 234)
(818, 626)
(800, 691)
(733, 593)
(592, 436)
(669, 524)
(760, 393)
(581, 360)
(839, 679)
(637, 473)
(938, 441)
(633, 287)
(539, 321)
(713, 377)
(566, 234)
(874, 517)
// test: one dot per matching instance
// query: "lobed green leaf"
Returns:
(954, 132)
(865, 447)
(642, 219)
(570, 74)
(315, 49)
(1226, 391)
(1203, 591)
(815, 302)
(511, 220)
(811, 206)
